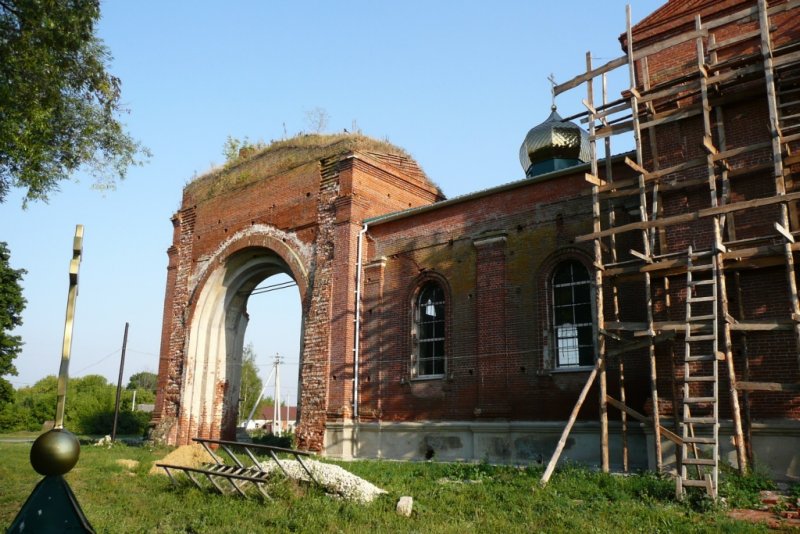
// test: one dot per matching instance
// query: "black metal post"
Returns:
(119, 383)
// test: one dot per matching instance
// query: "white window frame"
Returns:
(421, 310)
(566, 338)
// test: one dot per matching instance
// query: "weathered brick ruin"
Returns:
(294, 208)
(458, 328)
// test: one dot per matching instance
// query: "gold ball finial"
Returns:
(55, 452)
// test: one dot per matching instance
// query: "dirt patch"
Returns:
(128, 464)
(765, 517)
(778, 511)
(187, 456)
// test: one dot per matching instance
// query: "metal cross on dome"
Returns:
(553, 84)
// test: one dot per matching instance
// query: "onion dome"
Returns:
(553, 145)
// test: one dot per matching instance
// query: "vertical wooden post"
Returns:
(645, 244)
(777, 159)
(609, 177)
(598, 277)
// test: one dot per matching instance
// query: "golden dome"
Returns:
(552, 145)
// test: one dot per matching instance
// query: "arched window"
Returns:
(573, 319)
(429, 330)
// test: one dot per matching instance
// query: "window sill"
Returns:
(577, 369)
(426, 378)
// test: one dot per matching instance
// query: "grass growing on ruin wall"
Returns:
(121, 497)
(281, 156)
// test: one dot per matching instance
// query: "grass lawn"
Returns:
(447, 498)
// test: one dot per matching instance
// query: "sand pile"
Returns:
(186, 456)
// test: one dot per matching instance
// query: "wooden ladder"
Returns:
(700, 418)
(787, 92)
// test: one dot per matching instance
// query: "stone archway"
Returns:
(212, 379)
(296, 207)
(208, 335)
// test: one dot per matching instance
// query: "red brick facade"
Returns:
(493, 253)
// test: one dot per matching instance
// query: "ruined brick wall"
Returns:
(307, 218)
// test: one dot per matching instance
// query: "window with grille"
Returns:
(572, 313)
(429, 319)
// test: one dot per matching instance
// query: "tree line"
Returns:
(89, 406)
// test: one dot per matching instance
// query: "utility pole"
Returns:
(119, 383)
(286, 404)
(276, 408)
(260, 396)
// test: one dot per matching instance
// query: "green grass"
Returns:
(447, 498)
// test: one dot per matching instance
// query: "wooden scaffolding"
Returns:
(723, 75)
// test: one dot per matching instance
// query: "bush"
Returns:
(131, 423)
(286, 441)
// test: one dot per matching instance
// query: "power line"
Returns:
(273, 287)
(141, 352)
(107, 356)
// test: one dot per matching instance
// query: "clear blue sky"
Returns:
(457, 84)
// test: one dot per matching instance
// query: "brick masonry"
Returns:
(302, 221)
(494, 252)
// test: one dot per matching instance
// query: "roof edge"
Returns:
(390, 217)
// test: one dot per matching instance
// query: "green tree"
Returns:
(39, 401)
(59, 106)
(89, 409)
(145, 385)
(251, 383)
(11, 305)
(143, 381)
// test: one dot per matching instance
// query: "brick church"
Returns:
(481, 326)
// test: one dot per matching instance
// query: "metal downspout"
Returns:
(356, 341)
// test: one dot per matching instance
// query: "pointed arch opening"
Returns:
(212, 378)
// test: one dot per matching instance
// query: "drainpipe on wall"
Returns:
(356, 342)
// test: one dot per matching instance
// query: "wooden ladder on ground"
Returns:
(700, 419)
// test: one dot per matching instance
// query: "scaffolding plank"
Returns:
(761, 326)
(637, 345)
(594, 180)
(672, 116)
(577, 80)
(731, 152)
(669, 43)
(643, 418)
(612, 129)
(744, 36)
(735, 73)
(649, 96)
(786, 59)
(690, 217)
(767, 386)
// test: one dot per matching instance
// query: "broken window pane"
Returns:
(572, 315)
(430, 328)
